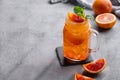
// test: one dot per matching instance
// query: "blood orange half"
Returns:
(95, 66)
(82, 77)
(106, 20)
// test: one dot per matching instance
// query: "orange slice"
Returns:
(74, 17)
(106, 20)
(96, 66)
(82, 77)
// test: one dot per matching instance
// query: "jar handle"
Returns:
(96, 34)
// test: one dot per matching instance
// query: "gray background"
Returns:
(30, 30)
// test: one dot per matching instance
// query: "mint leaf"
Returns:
(79, 11)
(89, 17)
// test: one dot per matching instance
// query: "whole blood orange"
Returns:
(102, 6)
(96, 66)
(82, 77)
(106, 20)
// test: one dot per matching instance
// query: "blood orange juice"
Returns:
(76, 39)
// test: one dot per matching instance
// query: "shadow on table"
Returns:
(103, 30)
(89, 74)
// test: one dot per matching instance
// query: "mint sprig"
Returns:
(89, 17)
(81, 12)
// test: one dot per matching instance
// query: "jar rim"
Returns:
(79, 23)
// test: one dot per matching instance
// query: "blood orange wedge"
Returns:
(82, 77)
(74, 17)
(95, 66)
(106, 20)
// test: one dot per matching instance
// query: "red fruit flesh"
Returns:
(77, 18)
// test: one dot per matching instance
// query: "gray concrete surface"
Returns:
(30, 30)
